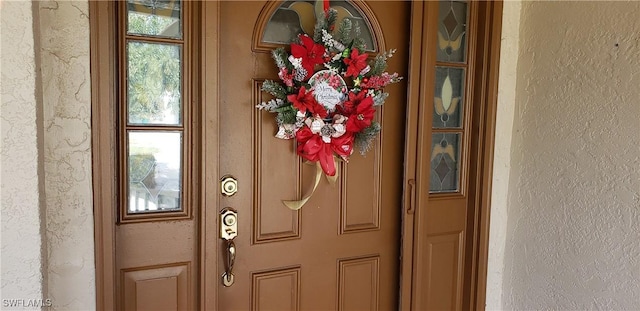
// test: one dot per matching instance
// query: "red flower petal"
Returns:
(356, 63)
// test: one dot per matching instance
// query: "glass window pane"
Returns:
(452, 31)
(448, 100)
(154, 83)
(159, 18)
(445, 162)
(155, 171)
(296, 17)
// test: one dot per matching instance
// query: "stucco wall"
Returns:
(22, 262)
(65, 69)
(47, 209)
(573, 229)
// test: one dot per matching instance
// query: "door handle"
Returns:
(228, 232)
(227, 276)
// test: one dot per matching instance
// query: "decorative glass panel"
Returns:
(295, 17)
(452, 31)
(445, 160)
(154, 83)
(448, 99)
(154, 18)
(155, 171)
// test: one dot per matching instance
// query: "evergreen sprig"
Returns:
(325, 23)
(344, 31)
(364, 139)
(378, 65)
(286, 115)
(275, 89)
(380, 98)
(280, 56)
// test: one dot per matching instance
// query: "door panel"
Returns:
(341, 250)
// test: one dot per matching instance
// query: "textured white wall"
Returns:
(65, 69)
(47, 208)
(21, 245)
(573, 233)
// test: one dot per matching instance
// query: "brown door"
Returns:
(341, 250)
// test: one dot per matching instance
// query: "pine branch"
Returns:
(271, 105)
(275, 89)
(364, 140)
(280, 57)
(358, 42)
(332, 17)
(325, 23)
(286, 115)
(344, 31)
(378, 65)
(380, 98)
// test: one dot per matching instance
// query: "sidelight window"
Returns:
(449, 110)
(154, 110)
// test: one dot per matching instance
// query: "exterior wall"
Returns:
(47, 208)
(573, 206)
(22, 246)
(66, 77)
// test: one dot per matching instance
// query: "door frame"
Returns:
(103, 124)
(417, 165)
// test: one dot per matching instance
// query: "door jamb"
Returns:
(103, 146)
(486, 89)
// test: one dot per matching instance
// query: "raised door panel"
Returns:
(276, 290)
(156, 288)
(272, 223)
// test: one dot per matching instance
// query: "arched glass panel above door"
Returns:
(295, 17)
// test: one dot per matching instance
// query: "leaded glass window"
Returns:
(296, 17)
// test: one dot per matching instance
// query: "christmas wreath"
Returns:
(328, 93)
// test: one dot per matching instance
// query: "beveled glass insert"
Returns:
(452, 32)
(296, 17)
(445, 163)
(448, 99)
(154, 72)
(155, 171)
(159, 18)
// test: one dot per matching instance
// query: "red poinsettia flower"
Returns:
(348, 106)
(310, 52)
(356, 62)
(306, 102)
(361, 116)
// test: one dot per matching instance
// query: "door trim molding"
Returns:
(488, 62)
(103, 148)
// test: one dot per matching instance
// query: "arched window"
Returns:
(295, 17)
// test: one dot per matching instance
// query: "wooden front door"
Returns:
(341, 250)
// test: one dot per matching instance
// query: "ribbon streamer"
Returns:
(297, 204)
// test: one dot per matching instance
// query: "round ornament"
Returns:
(328, 88)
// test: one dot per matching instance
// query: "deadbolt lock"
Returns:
(228, 185)
(228, 224)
